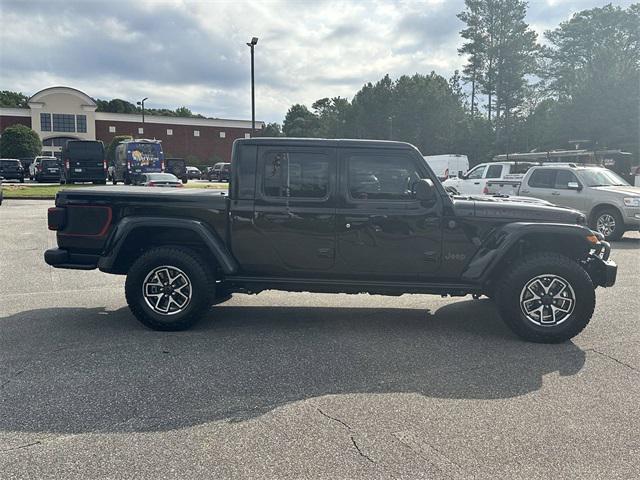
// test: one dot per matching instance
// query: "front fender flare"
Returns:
(127, 225)
(500, 241)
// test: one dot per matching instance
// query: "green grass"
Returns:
(49, 191)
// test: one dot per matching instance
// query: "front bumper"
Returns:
(602, 271)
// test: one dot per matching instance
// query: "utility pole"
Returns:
(251, 45)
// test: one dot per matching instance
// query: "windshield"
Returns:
(49, 163)
(601, 177)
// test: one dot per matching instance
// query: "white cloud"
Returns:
(194, 54)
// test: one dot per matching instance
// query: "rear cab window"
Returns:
(296, 174)
(494, 171)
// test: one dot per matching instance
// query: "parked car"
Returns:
(48, 170)
(194, 173)
(611, 205)
(292, 223)
(135, 157)
(33, 167)
(451, 165)
(11, 169)
(83, 161)
(220, 172)
(177, 167)
(160, 180)
(475, 180)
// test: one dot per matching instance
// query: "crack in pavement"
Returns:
(362, 454)
(21, 446)
(612, 358)
(333, 418)
(348, 427)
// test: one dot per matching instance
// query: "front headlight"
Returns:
(632, 201)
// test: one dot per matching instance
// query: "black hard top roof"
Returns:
(324, 142)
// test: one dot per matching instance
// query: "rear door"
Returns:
(294, 210)
(540, 184)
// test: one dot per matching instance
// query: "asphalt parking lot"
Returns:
(284, 385)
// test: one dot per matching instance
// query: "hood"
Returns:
(622, 189)
(517, 209)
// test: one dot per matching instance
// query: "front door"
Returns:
(383, 231)
(294, 212)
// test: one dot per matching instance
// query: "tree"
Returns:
(9, 99)
(272, 130)
(592, 70)
(474, 46)
(332, 116)
(300, 122)
(111, 148)
(19, 141)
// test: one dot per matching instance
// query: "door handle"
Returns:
(476, 183)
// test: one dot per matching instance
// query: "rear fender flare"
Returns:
(128, 225)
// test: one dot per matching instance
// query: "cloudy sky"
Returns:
(193, 53)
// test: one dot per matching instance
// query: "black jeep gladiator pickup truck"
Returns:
(349, 216)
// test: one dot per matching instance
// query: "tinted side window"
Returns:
(563, 178)
(494, 171)
(543, 178)
(476, 173)
(296, 175)
(381, 177)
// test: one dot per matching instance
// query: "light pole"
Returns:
(251, 45)
(141, 102)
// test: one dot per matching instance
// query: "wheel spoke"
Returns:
(547, 300)
(167, 290)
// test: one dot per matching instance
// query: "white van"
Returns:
(450, 165)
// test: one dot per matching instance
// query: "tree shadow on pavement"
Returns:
(90, 370)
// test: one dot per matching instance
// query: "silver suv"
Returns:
(610, 203)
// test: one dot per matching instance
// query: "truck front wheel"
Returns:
(546, 298)
(169, 289)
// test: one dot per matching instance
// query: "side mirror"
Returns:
(574, 186)
(424, 190)
(460, 174)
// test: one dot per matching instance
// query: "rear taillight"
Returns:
(67, 164)
(485, 191)
(104, 165)
(151, 184)
(56, 217)
(129, 166)
(162, 166)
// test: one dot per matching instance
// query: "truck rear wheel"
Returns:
(546, 298)
(169, 289)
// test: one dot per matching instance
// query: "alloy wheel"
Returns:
(167, 290)
(547, 300)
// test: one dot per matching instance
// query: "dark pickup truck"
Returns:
(335, 216)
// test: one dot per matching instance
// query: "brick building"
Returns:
(58, 114)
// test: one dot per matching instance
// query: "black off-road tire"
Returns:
(510, 287)
(202, 288)
(619, 229)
